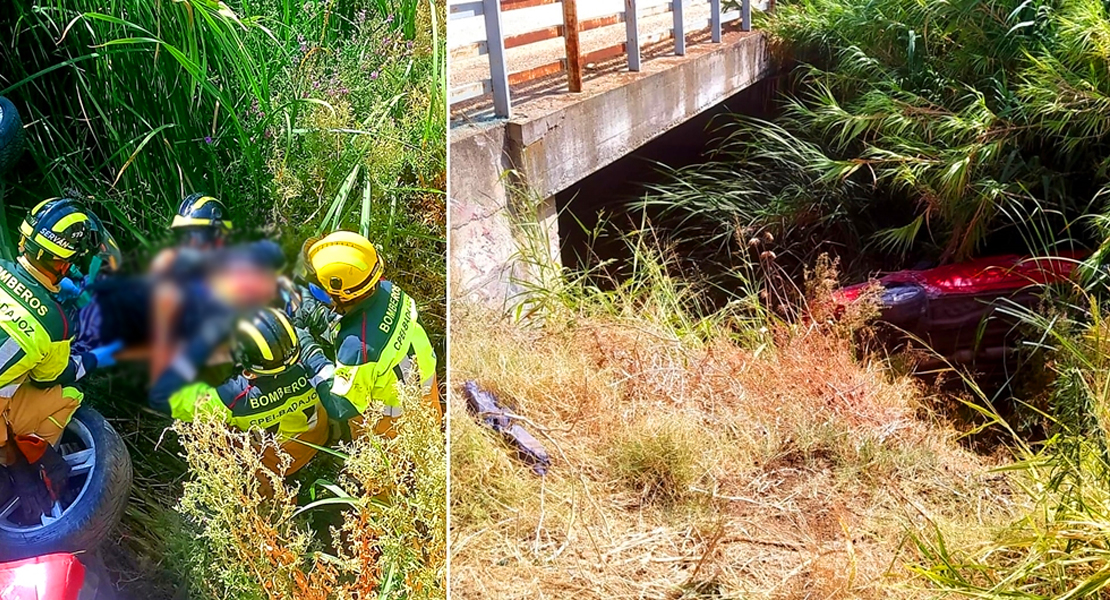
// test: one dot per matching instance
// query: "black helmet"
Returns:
(264, 342)
(202, 218)
(61, 229)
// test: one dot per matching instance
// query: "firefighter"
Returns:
(199, 283)
(36, 368)
(37, 371)
(278, 389)
(201, 224)
(379, 341)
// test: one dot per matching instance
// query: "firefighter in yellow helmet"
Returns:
(279, 388)
(379, 342)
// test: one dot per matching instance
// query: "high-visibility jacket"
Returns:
(286, 404)
(380, 343)
(34, 333)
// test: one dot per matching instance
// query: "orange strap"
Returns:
(32, 446)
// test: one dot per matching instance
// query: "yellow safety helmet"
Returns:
(345, 264)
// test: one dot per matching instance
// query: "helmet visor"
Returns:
(109, 253)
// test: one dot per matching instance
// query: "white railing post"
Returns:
(679, 30)
(632, 29)
(498, 69)
(715, 20)
(745, 15)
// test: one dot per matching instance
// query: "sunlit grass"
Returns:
(696, 453)
(286, 110)
(918, 129)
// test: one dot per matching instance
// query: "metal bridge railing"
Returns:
(481, 31)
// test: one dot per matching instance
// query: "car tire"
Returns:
(90, 519)
(11, 135)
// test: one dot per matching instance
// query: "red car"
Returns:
(49, 577)
(954, 308)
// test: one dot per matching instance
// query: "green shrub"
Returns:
(659, 458)
(269, 104)
(910, 126)
(390, 541)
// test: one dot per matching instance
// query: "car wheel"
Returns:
(100, 472)
(11, 135)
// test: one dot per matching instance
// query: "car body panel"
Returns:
(50, 577)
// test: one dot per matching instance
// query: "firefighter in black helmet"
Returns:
(37, 370)
(187, 305)
(279, 388)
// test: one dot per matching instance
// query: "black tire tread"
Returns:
(11, 135)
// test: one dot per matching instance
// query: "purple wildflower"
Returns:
(374, 75)
(207, 139)
(389, 19)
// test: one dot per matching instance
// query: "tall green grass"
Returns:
(301, 116)
(934, 128)
(1057, 547)
(139, 103)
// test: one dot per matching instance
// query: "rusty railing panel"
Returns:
(574, 53)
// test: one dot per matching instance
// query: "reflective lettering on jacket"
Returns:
(380, 344)
(34, 334)
(286, 404)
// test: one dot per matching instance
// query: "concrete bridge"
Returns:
(509, 160)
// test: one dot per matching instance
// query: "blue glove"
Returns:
(106, 355)
(319, 294)
(67, 290)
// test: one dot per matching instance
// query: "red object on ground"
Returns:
(50, 577)
(990, 275)
(953, 308)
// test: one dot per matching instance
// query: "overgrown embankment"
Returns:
(731, 456)
(299, 115)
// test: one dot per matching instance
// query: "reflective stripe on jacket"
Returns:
(34, 334)
(286, 404)
(381, 343)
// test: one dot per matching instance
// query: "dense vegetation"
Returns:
(931, 128)
(302, 116)
(944, 130)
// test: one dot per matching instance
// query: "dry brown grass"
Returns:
(248, 543)
(685, 468)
